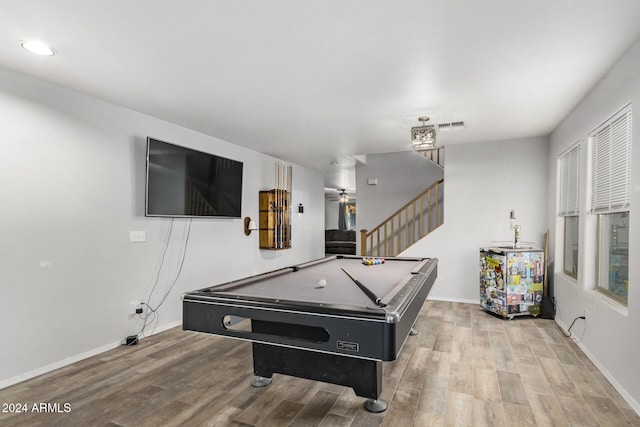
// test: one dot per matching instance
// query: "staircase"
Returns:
(414, 220)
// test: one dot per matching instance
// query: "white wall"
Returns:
(72, 172)
(331, 214)
(483, 183)
(610, 333)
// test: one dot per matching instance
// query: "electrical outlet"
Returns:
(137, 236)
(134, 306)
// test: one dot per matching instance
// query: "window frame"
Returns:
(602, 289)
(610, 181)
(576, 258)
(569, 200)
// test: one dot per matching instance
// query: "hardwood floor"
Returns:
(465, 368)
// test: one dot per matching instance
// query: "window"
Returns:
(613, 255)
(569, 183)
(610, 202)
(571, 225)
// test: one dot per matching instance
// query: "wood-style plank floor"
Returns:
(465, 368)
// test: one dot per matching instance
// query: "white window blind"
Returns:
(611, 164)
(569, 182)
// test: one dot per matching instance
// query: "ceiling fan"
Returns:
(342, 196)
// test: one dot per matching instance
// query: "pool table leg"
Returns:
(413, 332)
(259, 381)
(375, 405)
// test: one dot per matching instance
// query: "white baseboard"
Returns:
(73, 359)
(626, 396)
(164, 328)
(57, 365)
(465, 301)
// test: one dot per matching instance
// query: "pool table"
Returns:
(333, 320)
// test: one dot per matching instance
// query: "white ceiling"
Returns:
(315, 82)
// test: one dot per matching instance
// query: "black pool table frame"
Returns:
(337, 343)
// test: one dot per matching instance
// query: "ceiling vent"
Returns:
(450, 126)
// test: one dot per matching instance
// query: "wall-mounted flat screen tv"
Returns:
(182, 182)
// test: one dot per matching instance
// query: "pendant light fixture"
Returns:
(423, 137)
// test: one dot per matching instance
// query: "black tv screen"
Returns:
(182, 182)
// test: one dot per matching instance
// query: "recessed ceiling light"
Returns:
(38, 48)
